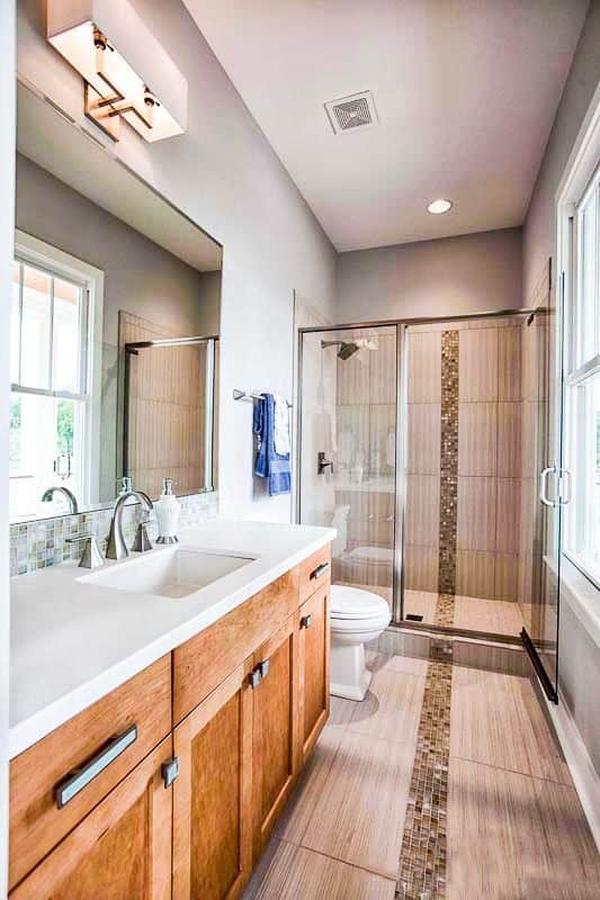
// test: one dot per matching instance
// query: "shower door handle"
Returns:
(543, 494)
(323, 463)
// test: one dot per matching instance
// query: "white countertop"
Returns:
(72, 643)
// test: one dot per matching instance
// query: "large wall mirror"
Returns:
(114, 321)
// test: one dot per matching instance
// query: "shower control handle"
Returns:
(323, 463)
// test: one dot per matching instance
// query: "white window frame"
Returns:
(29, 249)
(580, 175)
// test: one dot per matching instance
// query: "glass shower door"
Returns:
(348, 430)
(544, 390)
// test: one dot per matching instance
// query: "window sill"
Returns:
(582, 596)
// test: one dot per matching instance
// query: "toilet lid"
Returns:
(355, 603)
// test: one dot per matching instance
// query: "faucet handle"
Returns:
(142, 541)
(91, 557)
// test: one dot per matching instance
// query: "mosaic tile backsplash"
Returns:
(36, 545)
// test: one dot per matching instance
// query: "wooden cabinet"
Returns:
(212, 840)
(120, 851)
(173, 783)
(37, 822)
(313, 651)
(274, 729)
(203, 662)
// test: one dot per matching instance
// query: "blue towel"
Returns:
(269, 464)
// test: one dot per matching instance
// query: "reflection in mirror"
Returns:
(114, 324)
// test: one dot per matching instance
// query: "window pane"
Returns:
(66, 343)
(15, 446)
(46, 448)
(583, 514)
(588, 291)
(35, 362)
(15, 322)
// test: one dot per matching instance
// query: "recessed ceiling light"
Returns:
(438, 207)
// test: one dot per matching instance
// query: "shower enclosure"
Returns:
(348, 443)
(421, 443)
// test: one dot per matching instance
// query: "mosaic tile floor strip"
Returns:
(422, 873)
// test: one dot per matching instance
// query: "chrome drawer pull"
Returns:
(320, 570)
(76, 781)
(306, 621)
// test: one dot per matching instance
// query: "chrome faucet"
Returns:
(70, 497)
(116, 547)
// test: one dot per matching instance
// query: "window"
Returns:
(582, 386)
(54, 377)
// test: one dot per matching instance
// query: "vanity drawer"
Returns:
(314, 572)
(55, 783)
(203, 662)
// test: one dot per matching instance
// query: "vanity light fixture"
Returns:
(439, 207)
(127, 74)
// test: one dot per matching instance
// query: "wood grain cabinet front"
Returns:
(275, 735)
(55, 783)
(121, 850)
(314, 573)
(313, 663)
(212, 840)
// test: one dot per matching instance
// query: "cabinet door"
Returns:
(121, 850)
(275, 737)
(313, 625)
(212, 840)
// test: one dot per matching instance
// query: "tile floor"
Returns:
(445, 782)
(470, 613)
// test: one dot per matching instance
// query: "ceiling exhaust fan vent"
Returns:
(349, 113)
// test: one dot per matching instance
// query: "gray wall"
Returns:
(224, 175)
(472, 273)
(539, 229)
(139, 276)
(579, 656)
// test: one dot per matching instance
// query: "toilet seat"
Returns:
(353, 609)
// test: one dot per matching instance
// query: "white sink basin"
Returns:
(172, 572)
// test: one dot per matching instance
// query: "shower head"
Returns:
(346, 348)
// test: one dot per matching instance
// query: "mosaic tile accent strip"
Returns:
(422, 874)
(39, 544)
(444, 610)
(448, 464)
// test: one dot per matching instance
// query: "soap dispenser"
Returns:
(167, 509)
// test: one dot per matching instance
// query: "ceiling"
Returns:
(466, 92)
(67, 152)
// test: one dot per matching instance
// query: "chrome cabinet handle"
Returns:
(259, 672)
(79, 779)
(170, 771)
(320, 570)
(263, 667)
(306, 621)
(543, 485)
(254, 678)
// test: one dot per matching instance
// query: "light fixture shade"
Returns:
(133, 63)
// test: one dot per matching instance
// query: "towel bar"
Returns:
(249, 395)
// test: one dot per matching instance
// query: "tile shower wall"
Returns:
(36, 545)
(464, 538)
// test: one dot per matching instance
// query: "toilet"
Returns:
(356, 616)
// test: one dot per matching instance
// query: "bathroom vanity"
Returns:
(157, 735)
